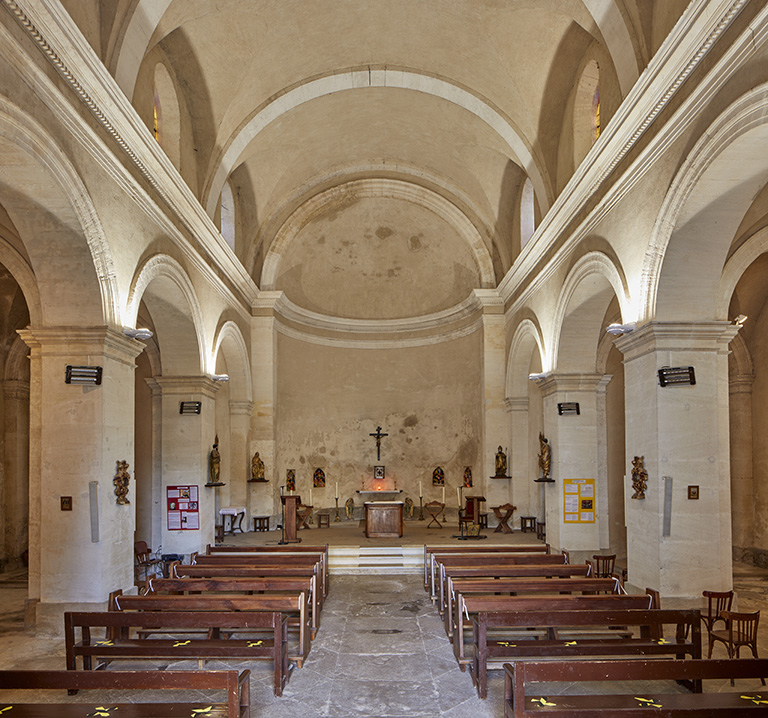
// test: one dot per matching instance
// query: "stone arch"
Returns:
(363, 78)
(701, 213)
(737, 264)
(589, 288)
(395, 189)
(167, 292)
(229, 340)
(169, 114)
(86, 254)
(18, 266)
(525, 341)
(584, 129)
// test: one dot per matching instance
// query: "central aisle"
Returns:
(381, 651)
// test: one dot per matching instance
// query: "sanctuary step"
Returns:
(385, 559)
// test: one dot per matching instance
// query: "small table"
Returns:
(503, 514)
(324, 521)
(527, 523)
(261, 523)
(236, 515)
(302, 516)
(434, 509)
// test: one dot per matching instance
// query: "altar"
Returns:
(383, 519)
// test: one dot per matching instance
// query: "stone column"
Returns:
(682, 431)
(153, 506)
(525, 494)
(239, 431)
(742, 474)
(264, 497)
(185, 445)
(578, 452)
(495, 420)
(15, 471)
(78, 433)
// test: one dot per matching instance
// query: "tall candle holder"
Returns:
(421, 508)
(337, 511)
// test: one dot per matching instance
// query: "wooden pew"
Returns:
(470, 606)
(429, 552)
(520, 702)
(123, 645)
(292, 560)
(517, 586)
(443, 561)
(262, 585)
(289, 605)
(290, 548)
(236, 686)
(650, 623)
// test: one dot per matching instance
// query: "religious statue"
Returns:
(290, 480)
(468, 477)
(545, 456)
(408, 507)
(349, 508)
(214, 463)
(639, 477)
(257, 468)
(438, 477)
(122, 477)
(501, 463)
(318, 479)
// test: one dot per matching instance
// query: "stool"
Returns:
(541, 532)
(219, 533)
(261, 523)
(527, 523)
(323, 521)
(483, 521)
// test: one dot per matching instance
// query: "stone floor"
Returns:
(381, 651)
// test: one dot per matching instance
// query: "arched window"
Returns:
(527, 213)
(167, 123)
(586, 111)
(228, 214)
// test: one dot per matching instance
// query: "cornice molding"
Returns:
(677, 337)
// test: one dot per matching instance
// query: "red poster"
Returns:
(183, 508)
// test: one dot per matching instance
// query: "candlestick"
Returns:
(337, 511)
(421, 505)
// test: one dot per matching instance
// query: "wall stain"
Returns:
(384, 232)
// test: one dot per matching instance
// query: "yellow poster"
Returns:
(579, 501)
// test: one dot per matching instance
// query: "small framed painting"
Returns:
(378, 472)
(693, 492)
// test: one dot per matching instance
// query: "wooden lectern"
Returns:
(290, 505)
(471, 515)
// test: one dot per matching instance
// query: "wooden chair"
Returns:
(717, 602)
(740, 630)
(144, 560)
(604, 565)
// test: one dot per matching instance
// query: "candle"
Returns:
(443, 494)
(458, 496)
(337, 489)
(310, 496)
(420, 494)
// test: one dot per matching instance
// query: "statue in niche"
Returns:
(349, 508)
(468, 477)
(214, 463)
(501, 463)
(639, 477)
(122, 477)
(257, 468)
(318, 479)
(438, 477)
(545, 456)
(408, 507)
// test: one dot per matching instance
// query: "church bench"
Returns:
(290, 548)
(133, 635)
(467, 607)
(293, 606)
(522, 700)
(266, 560)
(517, 586)
(235, 686)
(429, 552)
(501, 645)
(260, 585)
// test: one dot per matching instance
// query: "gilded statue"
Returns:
(639, 477)
(501, 463)
(349, 508)
(122, 477)
(545, 456)
(408, 507)
(214, 462)
(257, 468)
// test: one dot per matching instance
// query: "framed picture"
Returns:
(66, 503)
(693, 492)
(378, 472)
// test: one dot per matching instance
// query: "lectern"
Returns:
(290, 505)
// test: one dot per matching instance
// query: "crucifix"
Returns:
(378, 436)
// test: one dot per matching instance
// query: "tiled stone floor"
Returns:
(381, 651)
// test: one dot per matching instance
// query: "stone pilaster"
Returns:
(683, 433)
(15, 496)
(240, 472)
(77, 435)
(525, 494)
(742, 473)
(578, 452)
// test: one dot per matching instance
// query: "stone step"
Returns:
(370, 559)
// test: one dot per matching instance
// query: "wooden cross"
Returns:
(378, 436)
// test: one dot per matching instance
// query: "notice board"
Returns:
(182, 507)
(579, 501)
